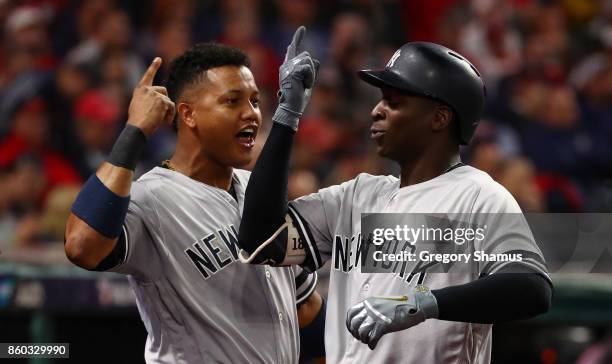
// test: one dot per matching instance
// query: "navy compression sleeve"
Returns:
(496, 298)
(265, 202)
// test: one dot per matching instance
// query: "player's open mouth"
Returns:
(376, 133)
(246, 136)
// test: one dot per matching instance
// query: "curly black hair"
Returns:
(190, 67)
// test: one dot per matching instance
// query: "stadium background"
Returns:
(66, 73)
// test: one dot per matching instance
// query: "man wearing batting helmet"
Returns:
(174, 230)
(432, 99)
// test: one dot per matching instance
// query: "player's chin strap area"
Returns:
(293, 253)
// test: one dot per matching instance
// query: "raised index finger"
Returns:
(149, 75)
(295, 47)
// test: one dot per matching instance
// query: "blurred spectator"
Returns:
(30, 136)
(487, 157)
(518, 176)
(89, 14)
(70, 81)
(490, 43)
(349, 51)
(175, 12)
(55, 212)
(21, 196)
(67, 70)
(348, 167)
(557, 139)
(301, 183)
(491, 146)
(550, 28)
(26, 34)
(289, 16)
(423, 19)
(96, 125)
(111, 37)
(322, 128)
(601, 27)
(593, 78)
(171, 40)
(241, 29)
(560, 193)
(60, 93)
(30, 214)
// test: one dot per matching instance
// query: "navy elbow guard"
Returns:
(312, 337)
(101, 208)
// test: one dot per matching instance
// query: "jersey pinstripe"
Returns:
(329, 222)
(199, 304)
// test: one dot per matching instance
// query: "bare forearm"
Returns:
(309, 309)
(117, 179)
(85, 246)
(97, 215)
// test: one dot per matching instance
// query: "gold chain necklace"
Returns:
(167, 164)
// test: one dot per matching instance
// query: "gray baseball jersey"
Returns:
(198, 303)
(330, 225)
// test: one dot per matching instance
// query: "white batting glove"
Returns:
(370, 319)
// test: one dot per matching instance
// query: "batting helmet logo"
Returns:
(394, 58)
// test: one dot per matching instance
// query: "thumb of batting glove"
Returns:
(296, 76)
(374, 317)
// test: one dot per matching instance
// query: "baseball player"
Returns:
(432, 99)
(174, 231)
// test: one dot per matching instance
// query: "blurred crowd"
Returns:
(67, 69)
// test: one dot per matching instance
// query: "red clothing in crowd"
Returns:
(57, 169)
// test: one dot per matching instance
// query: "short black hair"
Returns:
(189, 68)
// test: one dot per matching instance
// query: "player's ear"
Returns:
(443, 116)
(185, 114)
